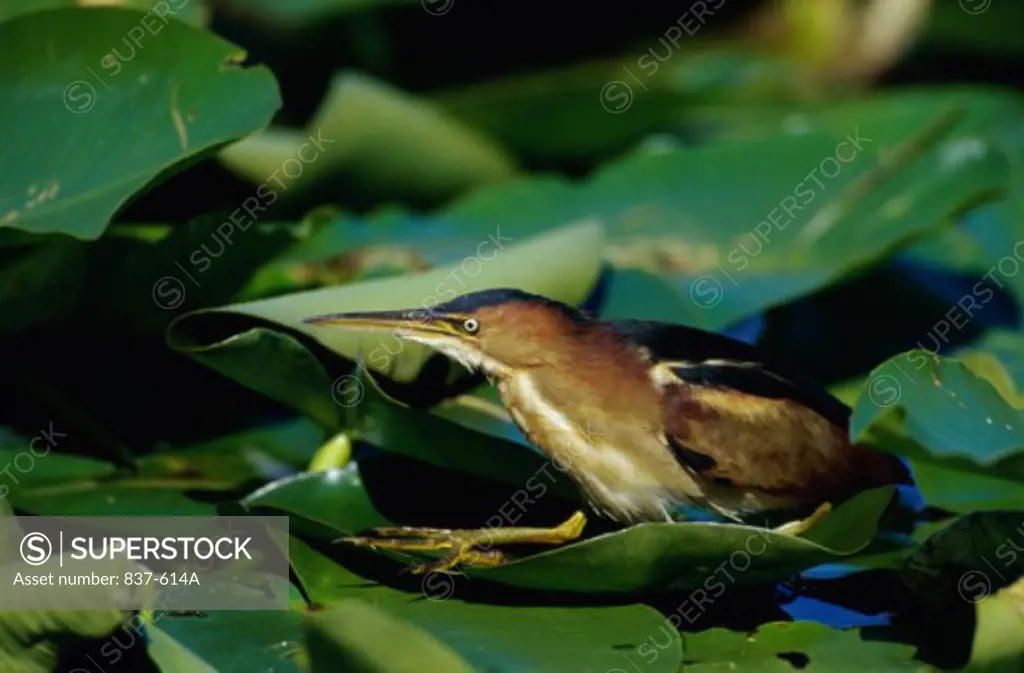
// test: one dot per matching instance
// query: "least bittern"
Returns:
(646, 416)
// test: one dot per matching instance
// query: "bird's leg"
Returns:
(466, 546)
(801, 526)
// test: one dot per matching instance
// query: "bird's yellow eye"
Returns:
(471, 325)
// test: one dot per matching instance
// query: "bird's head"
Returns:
(498, 331)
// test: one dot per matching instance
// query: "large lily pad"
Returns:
(688, 555)
(263, 641)
(965, 427)
(672, 212)
(359, 637)
(490, 637)
(144, 93)
(648, 556)
(192, 12)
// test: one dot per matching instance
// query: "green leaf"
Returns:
(987, 110)
(781, 647)
(360, 638)
(961, 427)
(986, 243)
(673, 213)
(492, 637)
(240, 640)
(380, 139)
(190, 11)
(34, 462)
(236, 340)
(146, 104)
(342, 487)
(998, 357)
(31, 641)
(998, 645)
(961, 489)
(649, 556)
(164, 482)
(138, 497)
(690, 555)
(173, 657)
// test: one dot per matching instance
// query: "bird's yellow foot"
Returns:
(471, 547)
(800, 527)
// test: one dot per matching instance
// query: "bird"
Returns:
(646, 417)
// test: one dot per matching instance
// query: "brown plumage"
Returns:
(771, 450)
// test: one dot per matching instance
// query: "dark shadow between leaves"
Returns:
(416, 493)
(874, 322)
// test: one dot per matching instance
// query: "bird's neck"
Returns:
(603, 381)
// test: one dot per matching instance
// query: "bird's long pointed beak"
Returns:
(410, 322)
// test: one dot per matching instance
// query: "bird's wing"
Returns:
(715, 361)
(738, 421)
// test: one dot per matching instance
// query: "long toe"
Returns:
(410, 531)
(465, 556)
(402, 544)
